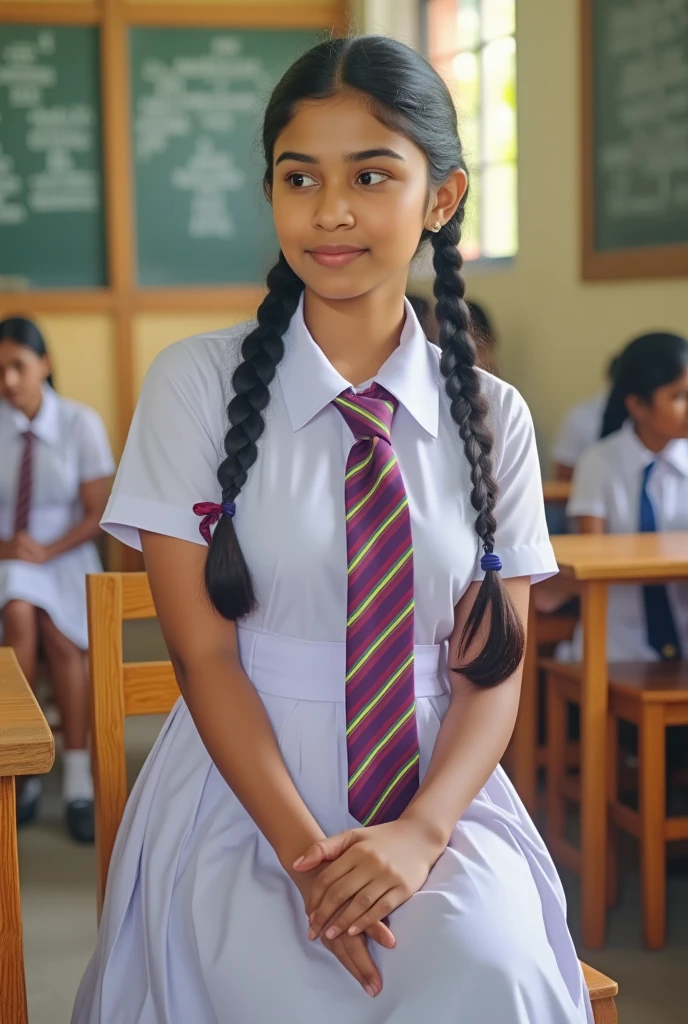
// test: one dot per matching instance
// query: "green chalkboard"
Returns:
(640, 113)
(51, 220)
(198, 98)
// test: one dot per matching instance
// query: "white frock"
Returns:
(72, 448)
(200, 922)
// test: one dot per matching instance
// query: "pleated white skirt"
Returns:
(202, 926)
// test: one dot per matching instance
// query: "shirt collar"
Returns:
(46, 423)
(675, 453)
(310, 382)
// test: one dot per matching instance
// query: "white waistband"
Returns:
(282, 666)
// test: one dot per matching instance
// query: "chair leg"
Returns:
(652, 770)
(556, 760)
(612, 831)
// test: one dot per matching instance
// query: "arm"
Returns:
(591, 524)
(93, 496)
(562, 472)
(378, 868)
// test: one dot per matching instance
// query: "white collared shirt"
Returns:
(290, 513)
(72, 448)
(607, 483)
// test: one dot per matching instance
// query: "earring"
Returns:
(436, 226)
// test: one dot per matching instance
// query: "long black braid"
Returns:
(407, 95)
(504, 645)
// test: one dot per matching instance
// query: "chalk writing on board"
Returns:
(644, 171)
(201, 97)
(28, 73)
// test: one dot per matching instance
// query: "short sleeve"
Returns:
(94, 452)
(574, 437)
(522, 539)
(588, 489)
(172, 453)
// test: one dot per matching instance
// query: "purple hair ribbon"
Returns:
(211, 512)
(490, 562)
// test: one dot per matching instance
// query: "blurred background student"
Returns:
(581, 428)
(54, 472)
(481, 329)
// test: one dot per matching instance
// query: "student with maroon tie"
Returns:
(322, 831)
(54, 473)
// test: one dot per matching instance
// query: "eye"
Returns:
(300, 180)
(373, 177)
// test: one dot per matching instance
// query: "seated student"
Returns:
(636, 480)
(580, 429)
(54, 473)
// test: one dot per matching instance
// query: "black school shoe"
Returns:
(28, 798)
(80, 820)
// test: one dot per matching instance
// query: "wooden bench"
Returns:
(26, 748)
(147, 688)
(652, 697)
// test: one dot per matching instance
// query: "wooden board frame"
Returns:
(648, 262)
(123, 299)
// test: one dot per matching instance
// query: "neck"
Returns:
(654, 442)
(357, 335)
(32, 406)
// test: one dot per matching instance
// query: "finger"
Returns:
(328, 877)
(335, 899)
(392, 899)
(365, 897)
(339, 950)
(324, 849)
(382, 934)
(360, 954)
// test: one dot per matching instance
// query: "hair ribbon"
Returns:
(211, 513)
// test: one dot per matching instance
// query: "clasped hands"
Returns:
(24, 548)
(357, 878)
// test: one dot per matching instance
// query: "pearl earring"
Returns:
(436, 226)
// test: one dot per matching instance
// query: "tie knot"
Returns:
(369, 413)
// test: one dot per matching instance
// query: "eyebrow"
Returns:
(350, 158)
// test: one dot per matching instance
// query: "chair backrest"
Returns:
(118, 690)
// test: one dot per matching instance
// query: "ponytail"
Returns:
(227, 576)
(504, 645)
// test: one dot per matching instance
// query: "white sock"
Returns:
(77, 783)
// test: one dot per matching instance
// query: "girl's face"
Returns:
(664, 416)
(350, 198)
(22, 373)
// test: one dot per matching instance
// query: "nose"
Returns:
(333, 210)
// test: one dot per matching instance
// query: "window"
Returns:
(472, 43)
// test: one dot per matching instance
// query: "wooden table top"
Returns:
(615, 557)
(556, 490)
(26, 742)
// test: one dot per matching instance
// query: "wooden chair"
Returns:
(145, 688)
(652, 697)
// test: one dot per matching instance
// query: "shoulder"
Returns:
(76, 415)
(508, 414)
(607, 454)
(205, 361)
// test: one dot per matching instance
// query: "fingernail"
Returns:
(299, 861)
(311, 934)
(332, 933)
(353, 930)
(371, 991)
(311, 915)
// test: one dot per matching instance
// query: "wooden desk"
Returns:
(26, 748)
(591, 563)
(556, 492)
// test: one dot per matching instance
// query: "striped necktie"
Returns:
(381, 736)
(661, 628)
(23, 506)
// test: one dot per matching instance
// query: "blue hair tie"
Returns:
(490, 562)
(228, 508)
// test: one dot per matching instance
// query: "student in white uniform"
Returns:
(353, 467)
(581, 428)
(54, 472)
(636, 480)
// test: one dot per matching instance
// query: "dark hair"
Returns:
(24, 332)
(647, 363)
(480, 321)
(407, 95)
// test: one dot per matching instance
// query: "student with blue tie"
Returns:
(635, 480)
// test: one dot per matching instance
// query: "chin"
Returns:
(335, 286)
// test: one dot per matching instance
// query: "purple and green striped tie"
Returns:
(382, 741)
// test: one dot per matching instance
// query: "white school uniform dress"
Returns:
(607, 484)
(71, 448)
(200, 921)
(581, 429)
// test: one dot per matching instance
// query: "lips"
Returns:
(335, 255)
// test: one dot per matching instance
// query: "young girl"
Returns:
(54, 473)
(636, 480)
(354, 467)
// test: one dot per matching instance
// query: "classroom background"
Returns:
(131, 215)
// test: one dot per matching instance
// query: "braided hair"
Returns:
(647, 363)
(406, 95)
